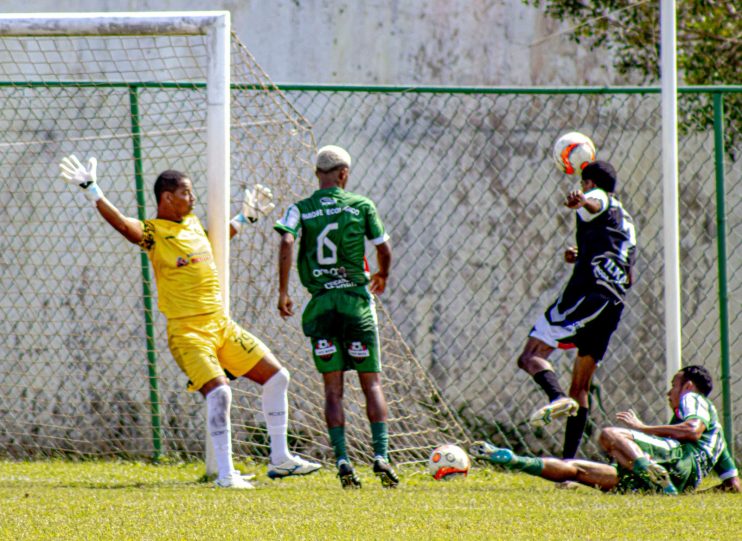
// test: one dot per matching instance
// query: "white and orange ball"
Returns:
(448, 462)
(572, 152)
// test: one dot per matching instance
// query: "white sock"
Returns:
(276, 413)
(218, 404)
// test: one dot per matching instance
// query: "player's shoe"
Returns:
(234, 481)
(293, 466)
(561, 407)
(385, 473)
(347, 475)
(660, 479)
(484, 450)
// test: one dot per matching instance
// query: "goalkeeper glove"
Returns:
(258, 201)
(76, 174)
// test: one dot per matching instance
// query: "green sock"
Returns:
(380, 439)
(526, 464)
(337, 440)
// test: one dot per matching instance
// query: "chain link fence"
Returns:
(465, 183)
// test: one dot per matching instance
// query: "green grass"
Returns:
(111, 500)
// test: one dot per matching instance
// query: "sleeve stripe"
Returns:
(380, 240)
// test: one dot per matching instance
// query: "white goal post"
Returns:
(217, 27)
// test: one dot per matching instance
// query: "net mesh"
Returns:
(79, 376)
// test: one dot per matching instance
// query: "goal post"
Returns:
(79, 334)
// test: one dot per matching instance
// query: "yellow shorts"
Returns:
(204, 346)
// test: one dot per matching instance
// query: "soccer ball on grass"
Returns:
(448, 462)
(572, 152)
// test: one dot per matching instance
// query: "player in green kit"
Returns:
(668, 458)
(340, 319)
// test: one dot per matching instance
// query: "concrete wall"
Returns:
(424, 42)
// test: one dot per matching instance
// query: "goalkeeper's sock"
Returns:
(380, 440)
(549, 382)
(275, 411)
(337, 439)
(526, 464)
(218, 405)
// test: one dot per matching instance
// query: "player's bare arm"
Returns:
(690, 430)
(384, 260)
(576, 199)
(570, 255)
(285, 259)
(76, 174)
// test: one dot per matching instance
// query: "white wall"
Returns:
(423, 42)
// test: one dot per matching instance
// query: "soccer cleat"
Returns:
(484, 450)
(293, 466)
(660, 479)
(385, 473)
(561, 407)
(347, 475)
(234, 481)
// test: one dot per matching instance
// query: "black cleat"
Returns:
(385, 473)
(347, 475)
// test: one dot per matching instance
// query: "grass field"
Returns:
(112, 500)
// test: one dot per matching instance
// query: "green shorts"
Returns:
(344, 331)
(684, 463)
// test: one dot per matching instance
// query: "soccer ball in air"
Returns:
(448, 462)
(572, 152)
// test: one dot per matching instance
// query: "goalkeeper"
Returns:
(205, 343)
(340, 319)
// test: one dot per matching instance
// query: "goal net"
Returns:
(84, 367)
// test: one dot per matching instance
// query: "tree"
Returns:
(709, 39)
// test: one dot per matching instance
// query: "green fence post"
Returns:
(721, 242)
(146, 280)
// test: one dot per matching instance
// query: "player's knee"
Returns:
(278, 381)
(524, 360)
(608, 437)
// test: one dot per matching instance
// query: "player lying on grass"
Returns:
(667, 458)
(203, 340)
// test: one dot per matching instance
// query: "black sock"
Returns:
(548, 381)
(574, 432)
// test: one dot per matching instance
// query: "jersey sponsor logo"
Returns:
(314, 214)
(324, 349)
(608, 273)
(197, 257)
(358, 350)
(333, 271)
(340, 283)
(327, 201)
(351, 210)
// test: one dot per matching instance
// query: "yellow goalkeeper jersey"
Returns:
(186, 275)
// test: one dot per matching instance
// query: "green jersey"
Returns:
(333, 225)
(711, 446)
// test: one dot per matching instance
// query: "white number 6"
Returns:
(323, 242)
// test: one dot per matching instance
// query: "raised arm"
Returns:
(258, 201)
(689, 430)
(76, 174)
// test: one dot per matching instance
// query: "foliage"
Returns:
(709, 44)
(120, 500)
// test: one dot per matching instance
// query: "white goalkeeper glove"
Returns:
(76, 174)
(258, 201)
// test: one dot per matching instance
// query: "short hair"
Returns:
(332, 157)
(699, 376)
(602, 174)
(168, 181)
